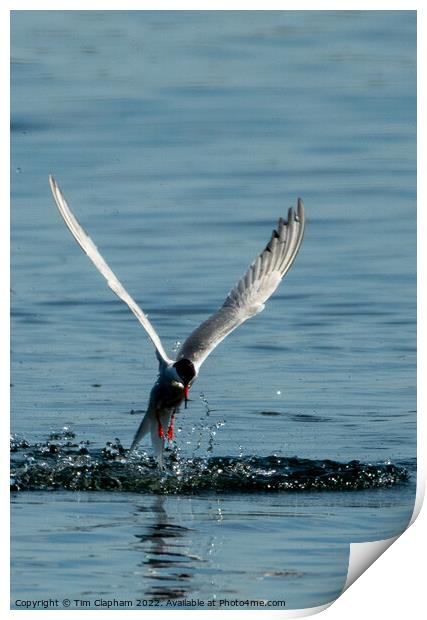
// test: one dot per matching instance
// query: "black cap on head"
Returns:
(186, 370)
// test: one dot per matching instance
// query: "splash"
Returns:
(61, 462)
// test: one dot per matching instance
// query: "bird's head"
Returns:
(187, 373)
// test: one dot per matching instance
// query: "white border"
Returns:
(393, 588)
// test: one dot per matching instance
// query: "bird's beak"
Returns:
(186, 391)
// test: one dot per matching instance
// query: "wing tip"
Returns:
(300, 209)
(54, 187)
(58, 197)
(294, 214)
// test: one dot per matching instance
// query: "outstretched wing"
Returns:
(92, 251)
(249, 295)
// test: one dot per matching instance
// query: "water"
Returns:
(179, 139)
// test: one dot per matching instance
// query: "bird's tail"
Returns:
(157, 425)
(143, 429)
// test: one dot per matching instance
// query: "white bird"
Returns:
(245, 300)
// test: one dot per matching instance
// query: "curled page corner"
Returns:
(308, 611)
(419, 496)
(268, 615)
(362, 555)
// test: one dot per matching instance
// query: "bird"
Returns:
(245, 300)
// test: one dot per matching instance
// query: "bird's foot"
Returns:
(170, 429)
(160, 428)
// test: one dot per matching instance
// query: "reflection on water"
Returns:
(168, 563)
(168, 548)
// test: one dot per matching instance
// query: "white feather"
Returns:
(93, 253)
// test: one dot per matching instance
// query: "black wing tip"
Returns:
(53, 184)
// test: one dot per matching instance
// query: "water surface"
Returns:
(179, 139)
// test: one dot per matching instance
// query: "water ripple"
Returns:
(63, 463)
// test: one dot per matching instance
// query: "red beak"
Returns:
(186, 391)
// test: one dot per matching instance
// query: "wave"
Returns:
(63, 463)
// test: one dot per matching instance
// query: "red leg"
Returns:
(160, 427)
(170, 429)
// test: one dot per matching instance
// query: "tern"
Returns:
(245, 300)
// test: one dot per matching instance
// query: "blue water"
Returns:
(179, 138)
